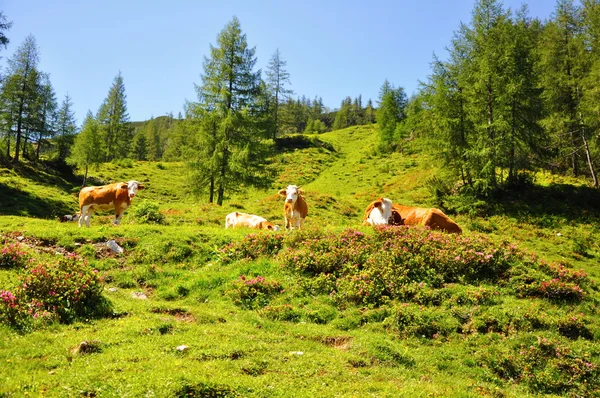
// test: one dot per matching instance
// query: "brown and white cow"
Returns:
(295, 208)
(381, 212)
(383, 209)
(69, 217)
(116, 196)
(237, 219)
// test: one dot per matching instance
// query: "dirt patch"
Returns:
(180, 314)
(339, 342)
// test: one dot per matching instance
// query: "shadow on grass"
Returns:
(543, 205)
(292, 142)
(14, 202)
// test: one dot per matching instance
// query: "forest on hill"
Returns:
(515, 95)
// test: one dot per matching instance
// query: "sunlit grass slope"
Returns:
(306, 339)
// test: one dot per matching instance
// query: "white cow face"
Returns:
(132, 188)
(382, 212)
(291, 193)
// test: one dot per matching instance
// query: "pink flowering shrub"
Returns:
(67, 287)
(251, 247)
(63, 290)
(547, 367)
(551, 281)
(253, 293)
(12, 256)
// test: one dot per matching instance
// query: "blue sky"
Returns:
(333, 49)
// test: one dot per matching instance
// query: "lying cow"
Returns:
(295, 208)
(69, 217)
(116, 196)
(237, 219)
(381, 210)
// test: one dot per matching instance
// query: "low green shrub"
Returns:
(251, 247)
(251, 293)
(547, 367)
(148, 213)
(284, 312)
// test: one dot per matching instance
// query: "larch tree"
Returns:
(4, 26)
(277, 79)
(114, 121)
(392, 104)
(88, 147)
(19, 92)
(46, 122)
(232, 152)
(66, 128)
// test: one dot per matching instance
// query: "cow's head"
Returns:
(132, 188)
(382, 211)
(291, 193)
(268, 225)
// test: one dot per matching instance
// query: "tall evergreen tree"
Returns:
(47, 113)
(227, 99)
(66, 128)
(114, 121)
(4, 26)
(19, 92)
(392, 104)
(277, 78)
(89, 143)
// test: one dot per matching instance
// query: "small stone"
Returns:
(112, 289)
(139, 295)
(20, 238)
(296, 353)
(182, 348)
(559, 234)
(114, 246)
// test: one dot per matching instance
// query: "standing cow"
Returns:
(116, 196)
(295, 208)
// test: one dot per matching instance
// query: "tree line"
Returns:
(515, 95)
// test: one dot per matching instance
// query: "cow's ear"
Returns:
(300, 191)
(283, 192)
(124, 186)
(377, 203)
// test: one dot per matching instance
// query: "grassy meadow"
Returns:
(508, 309)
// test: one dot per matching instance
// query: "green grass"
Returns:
(323, 348)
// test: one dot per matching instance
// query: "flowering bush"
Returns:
(548, 367)
(65, 290)
(12, 256)
(253, 293)
(251, 247)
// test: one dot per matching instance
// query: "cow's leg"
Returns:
(118, 216)
(86, 212)
(300, 223)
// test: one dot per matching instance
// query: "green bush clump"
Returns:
(284, 312)
(148, 213)
(251, 247)
(253, 293)
(66, 290)
(13, 256)
(547, 367)
(555, 282)
(427, 322)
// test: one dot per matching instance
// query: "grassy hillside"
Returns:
(335, 310)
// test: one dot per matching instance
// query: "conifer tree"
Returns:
(4, 25)
(66, 128)
(88, 146)
(392, 104)
(277, 78)
(230, 148)
(114, 121)
(19, 93)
